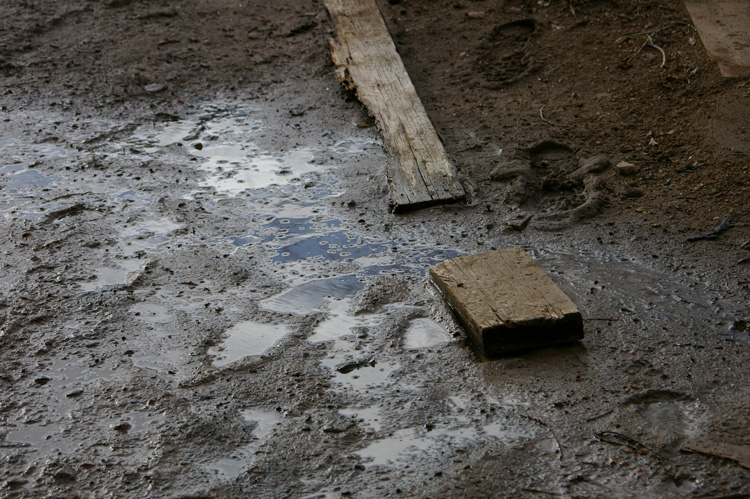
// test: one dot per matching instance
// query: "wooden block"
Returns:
(506, 302)
(724, 28)
(419, 171)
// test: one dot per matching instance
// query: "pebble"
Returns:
(626, 169)
(65, 475)
(122, 427)
(153, 88)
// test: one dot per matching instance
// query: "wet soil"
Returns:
(204, 293)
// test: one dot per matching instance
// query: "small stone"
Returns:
(65, 475)
(14, 483)
(122, 427)
(74, 393)
(626, 169)
(154, 88)
(633, 193)
(475, 14)
(740, 326)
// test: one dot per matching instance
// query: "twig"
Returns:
(615, 438)
(599, 416)
(541, 115)
(14, 445)
(546, 426)
(663, 54)
(650, 43)
(581, 478)
(725, 225)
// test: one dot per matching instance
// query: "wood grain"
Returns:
(724, 28)
(506, 302)
(419, 171)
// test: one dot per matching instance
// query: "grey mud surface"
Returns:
(204, 294)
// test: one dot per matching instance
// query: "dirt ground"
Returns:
(204, 293)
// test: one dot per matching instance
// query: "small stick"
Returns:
(554, 437)
(651, 44)
(599, 416)
(541, 115)
(725, 225)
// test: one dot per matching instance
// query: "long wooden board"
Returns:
(419, 171)
(724, 28)
(506, 302)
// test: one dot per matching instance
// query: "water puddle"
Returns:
(152, 313)
(425, 333)
(340, 322)
(361, 374)
(246, 339)
(313, 296)
(368, 416)
(124, 273)
(233, 175)
(62, 384)
(28, 208)
(330, 246)
(163, 359)
(147, 235)
(137, 199)
(408, 444)
(137, 422)
(229, 468)
(15, 178)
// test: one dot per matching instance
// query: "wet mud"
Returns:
(205, 294)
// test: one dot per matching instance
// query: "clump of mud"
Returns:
(551, 181)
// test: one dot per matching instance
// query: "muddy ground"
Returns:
(204, 293)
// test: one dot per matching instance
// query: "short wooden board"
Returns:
(737, 453)
(419, 171)
(724, 28)
(506, 302)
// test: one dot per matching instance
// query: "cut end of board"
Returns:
(407, 206)
(506, 302)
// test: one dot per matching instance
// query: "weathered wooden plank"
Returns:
(724, 28)
(419, 171)
(737, 453)
(506, 302)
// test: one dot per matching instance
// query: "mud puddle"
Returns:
(246, 251)
(229, 468)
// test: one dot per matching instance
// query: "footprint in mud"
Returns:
(551, 181)
(669, 411)
(505, 56)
